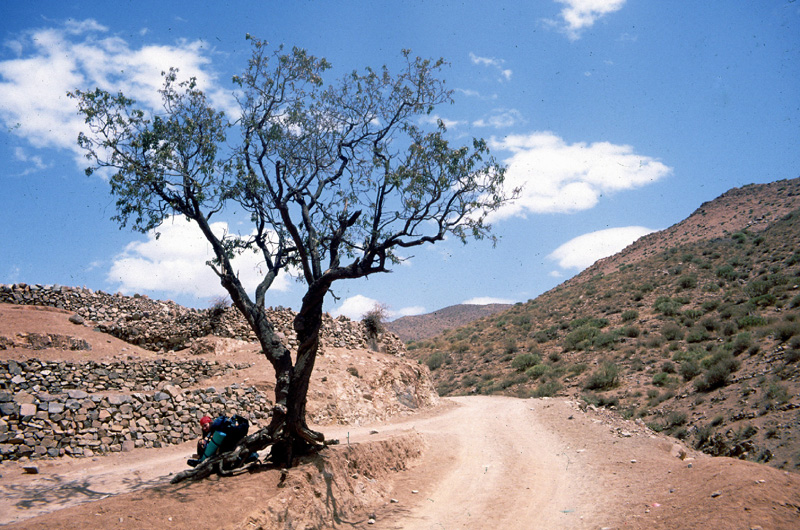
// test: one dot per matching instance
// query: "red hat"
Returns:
(205, 420)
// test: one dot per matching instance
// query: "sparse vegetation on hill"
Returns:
(700, 340)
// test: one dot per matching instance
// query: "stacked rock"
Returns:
(159, 326)
(43, 413)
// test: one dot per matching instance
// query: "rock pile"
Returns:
(158, 325)
(119, 406)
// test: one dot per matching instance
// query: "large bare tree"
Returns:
(337, 179)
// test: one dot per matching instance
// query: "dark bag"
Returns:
(235, 428)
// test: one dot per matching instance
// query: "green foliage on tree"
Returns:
(337, 178)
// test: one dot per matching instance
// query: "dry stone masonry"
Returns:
(119, 406)
(50, 409)
(157, 325)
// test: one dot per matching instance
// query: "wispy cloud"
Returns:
(34, 162)
(175, 263)
(486, 300)
(558, 177)
(497, 64)
(433, 119)
(582, 251)
(577, 15)
(500, 119)
(49, 62)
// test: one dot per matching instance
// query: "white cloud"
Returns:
(356, 306)
(81, 55)
(486, 300)
(176, 263)
(497, 64)
(557, 177)
(408, 311)
(500, 118)
(581, 14)
(583, 251)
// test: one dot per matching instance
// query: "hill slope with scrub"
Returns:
(694, 331)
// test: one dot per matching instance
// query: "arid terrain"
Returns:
(468, 462)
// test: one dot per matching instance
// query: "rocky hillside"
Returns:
(694, 331)
(431, 324)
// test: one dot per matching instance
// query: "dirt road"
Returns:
(499, 466)
(490, 462)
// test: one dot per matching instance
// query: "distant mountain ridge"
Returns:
(431, 324)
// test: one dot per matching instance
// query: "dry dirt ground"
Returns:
(471, 463)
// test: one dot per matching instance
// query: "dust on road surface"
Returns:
(500, 467)
(490, 462)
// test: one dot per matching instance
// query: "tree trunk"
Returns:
(288, 433)
(297, 438)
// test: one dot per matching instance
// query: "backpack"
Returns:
(234, 427)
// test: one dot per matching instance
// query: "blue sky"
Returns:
(618, 117)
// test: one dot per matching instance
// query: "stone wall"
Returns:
(80, 409)
(157, 325)
(119, 406)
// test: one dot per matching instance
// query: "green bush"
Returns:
(692, 314)
(537, 371)
(671, 331)
(629, 315)
(721, 367)
(630, 331)
(728, 273)
(775, 391)
(663, 379)
(547, 389)
(605, 377)
(697, 335)
(604, 340)
(690, 369)
(751, 321)
(524, 361)
(667, 306)
(765, 300)
(690, 355)
(687, 281)
(581, 338)
(785, 331)
(710, 324)
(675, 418)
(599, 400)
(741, 343)
(435, 360)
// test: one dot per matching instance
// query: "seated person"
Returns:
(219, 436)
